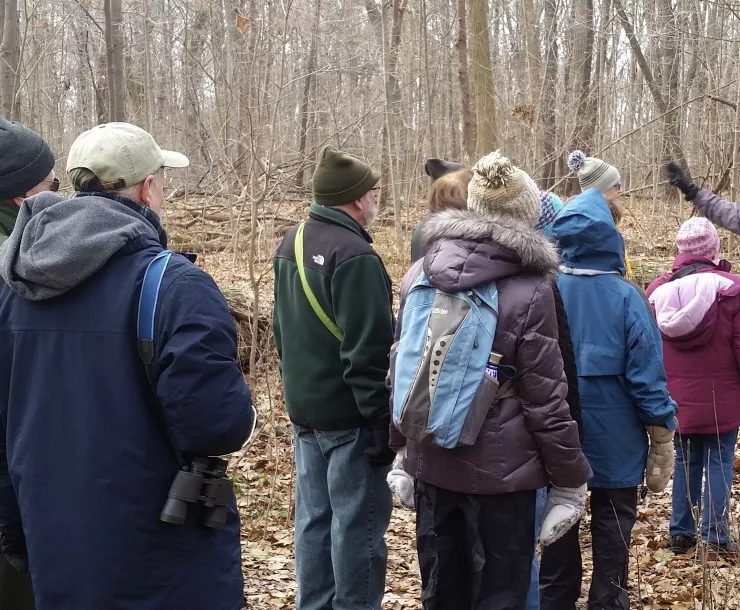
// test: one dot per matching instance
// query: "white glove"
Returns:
(401, 482)
(564, 507)
(661, 458)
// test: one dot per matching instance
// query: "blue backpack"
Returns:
(444, 373)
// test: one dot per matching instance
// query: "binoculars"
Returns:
(205, 484)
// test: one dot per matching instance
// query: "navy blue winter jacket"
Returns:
(90, 470)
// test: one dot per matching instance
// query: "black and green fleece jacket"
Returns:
(331, 384)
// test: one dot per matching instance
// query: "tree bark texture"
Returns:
(9, 56)
(485, 100)
(114, 60)
(463, 73)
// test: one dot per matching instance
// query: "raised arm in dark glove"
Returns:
(14, 548)
(379, 453)
(681, 181)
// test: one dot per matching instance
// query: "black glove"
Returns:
(14, 549)
(681, 181)
(379, 453)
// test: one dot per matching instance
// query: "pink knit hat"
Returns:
(698, 236)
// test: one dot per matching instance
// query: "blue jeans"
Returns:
(533, 595)
(710, 455)
(342, 510)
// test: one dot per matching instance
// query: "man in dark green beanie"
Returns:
(26, 168)
(333, 326)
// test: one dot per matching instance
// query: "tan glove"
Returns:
(661, 458)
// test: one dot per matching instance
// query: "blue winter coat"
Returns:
(618, 348)
(88, 466)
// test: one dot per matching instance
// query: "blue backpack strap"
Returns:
(145, 332)
(148, 308)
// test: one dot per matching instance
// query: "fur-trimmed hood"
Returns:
(464, 248)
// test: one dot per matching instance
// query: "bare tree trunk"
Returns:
(114, 60)
(390, 128)
(599, 102)
(389, 37)
(307, 87)
(102, 97)
(84, 83)
(534, 57)
(485, 101)
(547, 112)
(569, 75)
(148, 80)
(452, 119)
(468, 119)
(424, 24)
(196, 37)
(583, 52)
(9, 55)
(669, 73)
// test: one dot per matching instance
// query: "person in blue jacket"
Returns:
(628, 415)
(84, 468)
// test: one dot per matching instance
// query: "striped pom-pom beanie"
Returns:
(593, 173)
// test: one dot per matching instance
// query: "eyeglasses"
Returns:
(618, 185)
(54, 186)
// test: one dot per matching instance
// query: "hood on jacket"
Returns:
(465, 249)
(685, 259)
(587, 235)
(58, 243)
(687, 305)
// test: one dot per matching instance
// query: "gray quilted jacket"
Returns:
(724, 213)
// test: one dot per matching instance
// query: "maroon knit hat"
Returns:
(698, 236)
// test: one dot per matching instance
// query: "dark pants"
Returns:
(475, 551)
(613, 515)
(561, 572)
(15, 588)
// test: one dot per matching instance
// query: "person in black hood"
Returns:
(26, 168)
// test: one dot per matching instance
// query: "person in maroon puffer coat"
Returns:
(475, 505)
(697, 306)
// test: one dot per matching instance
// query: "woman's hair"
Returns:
(450, 191)
(617, 211)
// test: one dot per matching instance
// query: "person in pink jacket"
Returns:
(697, 306)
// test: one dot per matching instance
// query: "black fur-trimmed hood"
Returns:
(464, 248)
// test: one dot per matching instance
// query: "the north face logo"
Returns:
(318, 259)
(439, 311)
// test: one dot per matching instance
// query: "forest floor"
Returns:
(263, 472)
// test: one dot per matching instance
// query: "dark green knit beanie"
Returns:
(341, 178)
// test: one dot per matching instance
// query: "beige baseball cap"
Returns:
(120, 155)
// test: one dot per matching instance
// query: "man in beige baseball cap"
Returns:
(121, 157)
(99, 429)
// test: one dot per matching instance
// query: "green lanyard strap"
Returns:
(320, 313)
